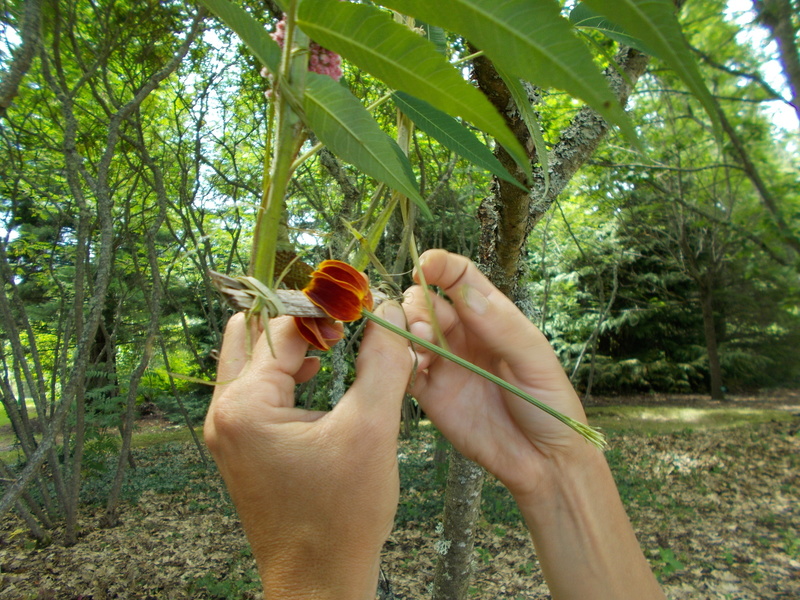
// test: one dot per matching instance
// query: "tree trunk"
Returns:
(710, 333)
(777, 16)
(22, 56)
(461, 511)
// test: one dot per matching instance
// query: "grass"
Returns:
(7, 437)
(143, 438)
(672, 419)
(153, 437)
(4, 420)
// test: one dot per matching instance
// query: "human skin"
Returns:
(562, 484)
(317, 492)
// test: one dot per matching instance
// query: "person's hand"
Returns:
(562, 484)
(316, 491)
(505, 434)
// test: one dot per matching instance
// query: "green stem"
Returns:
(591, 434)
(288, 138)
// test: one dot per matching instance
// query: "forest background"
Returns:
(132, 160)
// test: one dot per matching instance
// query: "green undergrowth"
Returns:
(150, 438)
(164, 468)
(235, 580)
(167, 462)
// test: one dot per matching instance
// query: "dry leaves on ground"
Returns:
(716, 513)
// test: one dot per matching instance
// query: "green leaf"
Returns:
(528, 39)
(520, 97)
(249, 30)
(335, 116)
(583, 16)
(404, 60)
(452, 135)
(342, 123)
(656, 22)
(435, 35)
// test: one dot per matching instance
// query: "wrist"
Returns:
(289, 576)
(315, 563)
(568, 473)
(584, 540)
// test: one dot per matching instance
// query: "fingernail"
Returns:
(392, 312)
(422, 260)
(423, 330)
(474, 299)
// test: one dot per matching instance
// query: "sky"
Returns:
(741, 12)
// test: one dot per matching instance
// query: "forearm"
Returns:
(583, 538)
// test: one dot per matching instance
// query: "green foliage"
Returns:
(667, 565)
(654, 21)
(451, 134)
(99, 451)
(422, 487)
(343, 124)
(688, 222)
(530, 40)
(584, 17)
(168, 468)
(404, 61)
(233, 581)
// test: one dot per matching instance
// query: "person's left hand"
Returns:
(316, 491)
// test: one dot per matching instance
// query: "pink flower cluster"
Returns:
(321, 60)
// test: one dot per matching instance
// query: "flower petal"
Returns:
(339, 290)
(335, 299)
(321, 333)
(341, 271)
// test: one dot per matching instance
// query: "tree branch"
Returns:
(22, 56)
(777, 15)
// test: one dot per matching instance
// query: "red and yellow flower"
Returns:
(342, 293)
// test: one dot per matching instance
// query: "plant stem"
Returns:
(288, 137)
(590, 434)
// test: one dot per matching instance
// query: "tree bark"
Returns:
(22, 57)
(712, 347)
(777, 16)
(461, 511)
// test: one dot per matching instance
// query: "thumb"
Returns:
(383, 367)
(502, 330)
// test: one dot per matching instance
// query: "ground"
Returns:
(714, 502)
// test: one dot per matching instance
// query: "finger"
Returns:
(288, 346)
(417, 303)
(500, 327)
(308, 369)
(277, 372)
(234, 353)
(383, 368)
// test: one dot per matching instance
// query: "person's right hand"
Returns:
(562, 484)
(517, 442)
